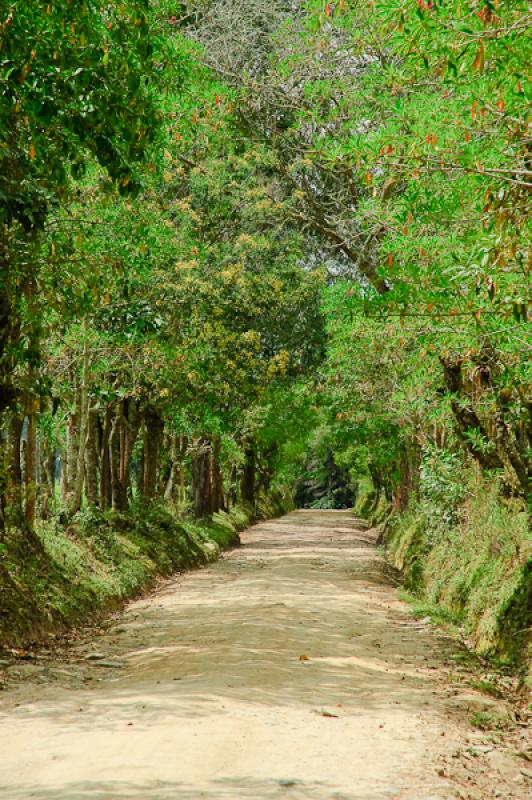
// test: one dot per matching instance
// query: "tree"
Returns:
(74, 83)
(413, 163)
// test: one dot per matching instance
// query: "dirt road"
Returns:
(288, 669)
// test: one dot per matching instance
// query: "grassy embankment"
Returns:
(475, 572)
(67, 575)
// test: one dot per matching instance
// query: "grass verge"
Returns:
(474, 573)
(64, 576)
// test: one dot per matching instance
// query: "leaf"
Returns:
(304, 658)
(388, 188)
(479, 61)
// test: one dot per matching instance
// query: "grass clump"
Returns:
(488, 721)
(486, 687)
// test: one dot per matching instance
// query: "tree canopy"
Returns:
(248, 247)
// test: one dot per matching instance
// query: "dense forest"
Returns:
(262, 253)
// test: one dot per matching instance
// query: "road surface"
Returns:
(288, 669)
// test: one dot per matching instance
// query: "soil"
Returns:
(288, 669)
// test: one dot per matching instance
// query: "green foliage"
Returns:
(441, 489)
(73, 82)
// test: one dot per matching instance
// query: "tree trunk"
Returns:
(31, 465)
(116, 461)
(466, 417)
(152, 441)
(183, 447)
(72, 451)
(91, 458)
(201, 478)
(232, 498)
(266, 468)
(509, 445)
(247, 484)
(105, 468)
(78, 478)
(9, 330)
(13, 503)
(140, 473)
(218, 500)
(174, 466)
(47, 493)
(131, 426)
(63, 477)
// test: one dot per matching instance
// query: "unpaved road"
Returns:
(288, 669)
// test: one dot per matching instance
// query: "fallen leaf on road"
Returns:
(21, 653)
(304, 658)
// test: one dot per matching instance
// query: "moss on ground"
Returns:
(64, 576)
